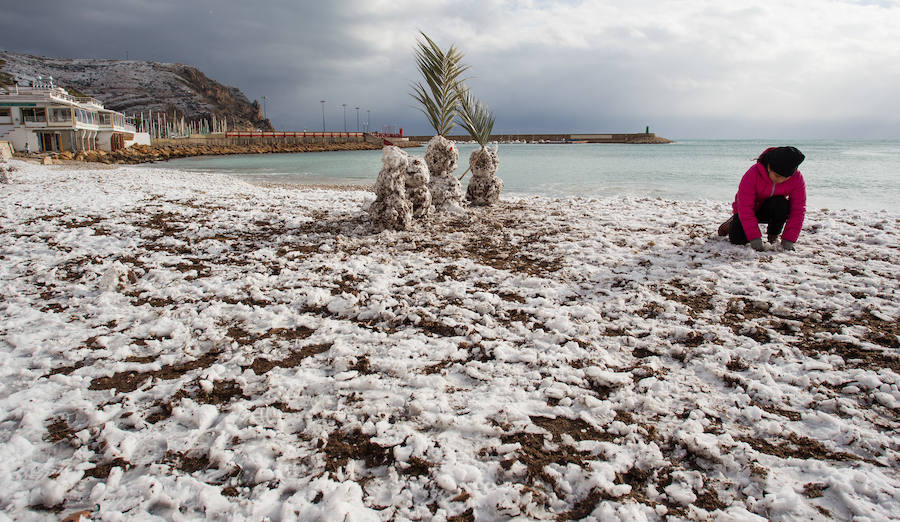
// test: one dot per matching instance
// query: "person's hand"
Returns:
(757, 244)
(787, 245)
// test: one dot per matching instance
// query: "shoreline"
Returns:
(315, 186)
(138, 154)
(93, 165)
(194, 345)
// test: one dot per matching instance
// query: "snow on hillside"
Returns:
(189, 346)
(133, 86)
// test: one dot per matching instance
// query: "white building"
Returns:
(45, 118)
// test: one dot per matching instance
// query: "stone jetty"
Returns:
(153, 153)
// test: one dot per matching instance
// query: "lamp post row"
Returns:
(344, 105)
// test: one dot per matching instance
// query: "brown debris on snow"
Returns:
(308, 336)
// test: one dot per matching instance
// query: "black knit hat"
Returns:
(784, 160)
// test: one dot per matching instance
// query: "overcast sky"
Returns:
(688, 68)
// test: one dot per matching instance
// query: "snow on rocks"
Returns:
(392, 209)
(5, 172)
(417, 178)
(484, 187)
(401, 191)
(441, 156)
(178, 345)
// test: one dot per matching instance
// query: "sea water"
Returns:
(839, 174)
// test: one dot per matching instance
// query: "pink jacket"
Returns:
(756, 188)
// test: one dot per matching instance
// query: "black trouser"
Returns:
(773, 211)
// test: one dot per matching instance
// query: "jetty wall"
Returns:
(271, 138)
(643, 137)
(237, 138)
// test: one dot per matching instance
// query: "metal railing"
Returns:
(84, 100)
(280, 134)
(87, 100)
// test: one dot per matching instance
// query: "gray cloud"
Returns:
(768, 68)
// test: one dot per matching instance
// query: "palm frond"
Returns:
(442, 71)
(475, 117)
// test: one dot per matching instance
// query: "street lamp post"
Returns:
(367, 120)
(357, 118)
(344, 105)
(323, 114)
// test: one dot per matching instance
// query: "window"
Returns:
(5, 112)
(104, 118)
(60, 115)
(34, 115)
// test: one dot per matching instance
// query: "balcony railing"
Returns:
(83, 100)
(127, 127)
(87, 100)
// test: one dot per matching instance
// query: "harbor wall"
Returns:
(277, 138)
(229, 139)
(236, 138)
(280, 139)
(643, 137)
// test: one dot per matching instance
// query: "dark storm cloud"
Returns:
(268, 48)
(756, 69)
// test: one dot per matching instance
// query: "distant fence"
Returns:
(286, 138)
(268, 138)
(280, 134)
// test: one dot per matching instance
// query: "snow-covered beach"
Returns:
(181, 346)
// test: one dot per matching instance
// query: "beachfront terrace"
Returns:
(64, 97)
(43, 117)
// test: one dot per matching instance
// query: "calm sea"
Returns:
(839, 174)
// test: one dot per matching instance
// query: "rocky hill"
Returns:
(132, 87)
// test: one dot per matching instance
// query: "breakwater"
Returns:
(221, 144)
(287, 142)
(637, 138)
(281, 138)
(166, 151)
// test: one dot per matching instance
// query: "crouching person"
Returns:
(773, 192)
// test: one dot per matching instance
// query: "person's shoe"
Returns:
(725, 227)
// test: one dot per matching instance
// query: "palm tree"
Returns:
(440, 95)
(477, 119)
(439, 98)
